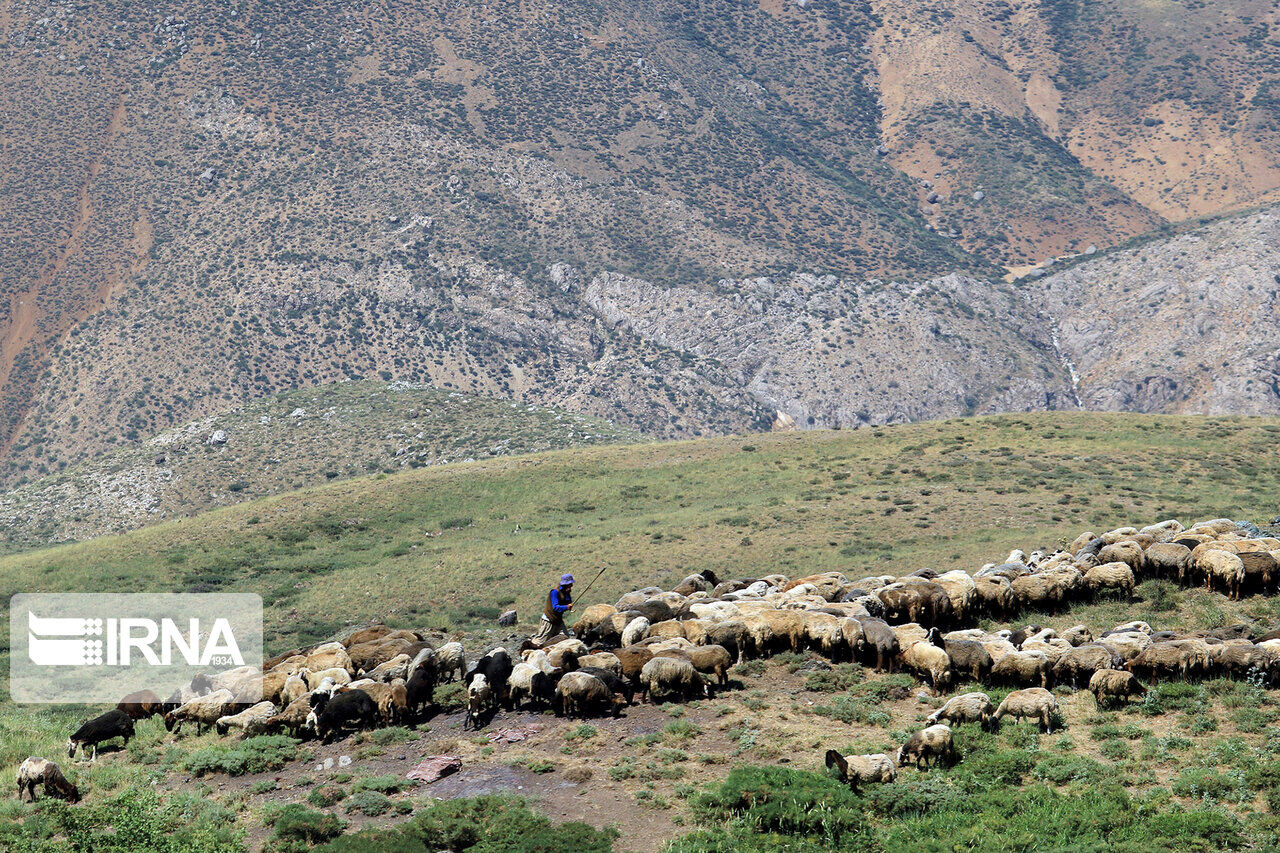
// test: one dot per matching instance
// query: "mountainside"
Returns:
(206, 204)
(1189, 324)
(280, 444)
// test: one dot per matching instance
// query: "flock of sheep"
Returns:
(677, 645)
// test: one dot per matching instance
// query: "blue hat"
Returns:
(565, 580)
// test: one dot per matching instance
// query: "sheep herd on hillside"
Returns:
(679, 644)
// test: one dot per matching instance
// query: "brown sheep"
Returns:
(928, 661)
(1083, 661)
(881, 644)
(966, 708)
(633, 659)
(928, 746)
(365, 635)
(1032, 703)
(367, 656)
(141, 704)
(43, 772)
(1167, 560)
(1022, 668)
(856, 770)
(1114, 685)
(1110, 576)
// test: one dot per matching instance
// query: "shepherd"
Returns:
(558, 601)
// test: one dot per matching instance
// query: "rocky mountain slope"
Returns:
(1189, 324)
(207, 204)
(279, 444)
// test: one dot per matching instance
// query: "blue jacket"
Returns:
(560, 601)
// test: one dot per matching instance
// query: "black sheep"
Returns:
(616, 685)
(114, 723)
(350, 709)
(496, 668)
(420, 690)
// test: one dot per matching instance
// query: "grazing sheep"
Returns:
(621, 689)
(579, 694)
(1128, 552)
(366, 656)
(862, 769)
(114, 723)
(294, 686)
(1083, 661)
(450, 657)
(43, 772)
(353, 709)
(249, 721)
(1033, 703)
(141, 704)
(1108, 577)
(203, 711)
(880, 644)
(665, 677)
(1077, 635)
(420, 689)
(633, 660)
(292, 719)
(926, 659)
(602, 660)
(637, 629)
(480, 699)
(1168, 659)
(563, 653)
(712, 660)
(1021, 668)
(1222, 568)
(668, 629)
(927, 747)
(391, 699)
(732, 634)
(969, 656)
(387, 671)
(1114, 685)
(589, 623)
(313, 678)
(1167, 560)
(495, 666)
(966, 708)
(328, 656)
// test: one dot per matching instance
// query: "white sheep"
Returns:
(249, 721)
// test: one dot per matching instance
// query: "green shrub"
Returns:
(252, 755)
(137, 821)
(369, 803)
(851, 709)
(838, 678)
(786, 801)
(488, 824)
(326, 795)
(297, 823)
(1061, 769)
(1174, 696)
(382, 784)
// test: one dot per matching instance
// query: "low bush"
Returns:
(252, 755)
(295, 825)
(488, 824)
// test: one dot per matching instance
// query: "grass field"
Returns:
(449, 547)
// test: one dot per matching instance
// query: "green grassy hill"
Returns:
(282, 443)
(1194, 766)
(451, 546)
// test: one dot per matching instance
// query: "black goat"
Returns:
(349, 709)
(115, 723)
